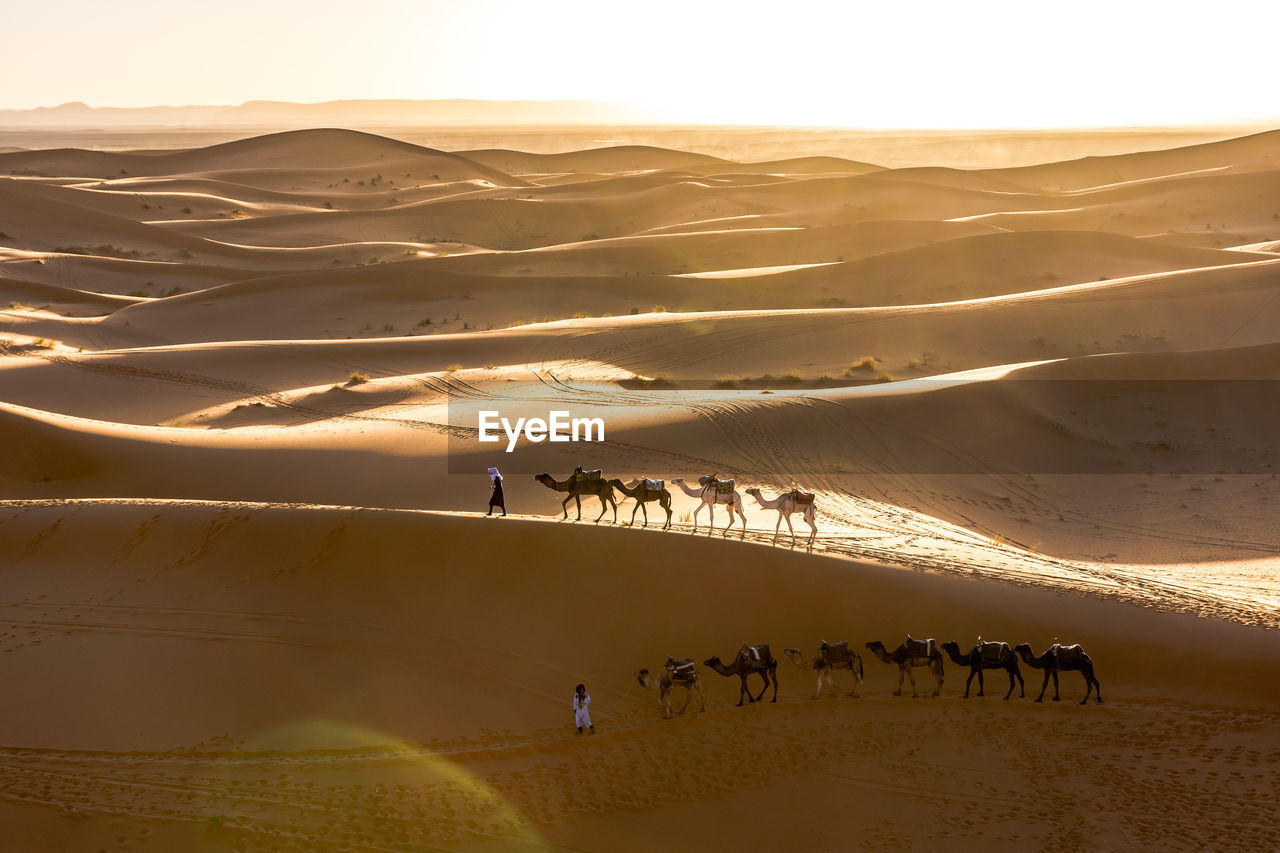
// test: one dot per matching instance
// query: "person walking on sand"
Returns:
(496, 499)
(581, 699)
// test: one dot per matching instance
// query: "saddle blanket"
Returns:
(835, 652)
(587, 475)
(993, 652)
(724, 487)
(802, 497)
(920, 648)
(681, 670)
(654, 485)
(1066, 653)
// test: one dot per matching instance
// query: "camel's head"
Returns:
(754, 492)
(795, 653)
(544, 479)
(1024, 649)
(712, 661)
(875, 645)
(679, 481)
(950, 647)
(642, 676)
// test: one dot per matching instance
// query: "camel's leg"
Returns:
(856, 667)
(972, 673)
(1055, 686)
(915, 694)
(1022, 687)
(901, 673)
(818, 692)
(711, 516)
(633, 515)
(564, 505)
(744, 689)
(777, 527)
(742, 515)
(1096, 683)
(981, 682)
(695, 515)
(604, 507)
(792, 529)
(809, 519)
(1088, 684)
(773, 672)
(1010, 693)
(764, 675)
(578, 500)
(936, 668)
(665, 503)
(1044, 686)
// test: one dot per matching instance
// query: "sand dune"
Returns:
(248, 602)
(1253, 150)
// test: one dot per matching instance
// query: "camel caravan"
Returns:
(758, 660)
(711, 491)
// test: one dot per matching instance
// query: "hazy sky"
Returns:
(890, 63)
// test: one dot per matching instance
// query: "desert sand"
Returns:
(250, 601)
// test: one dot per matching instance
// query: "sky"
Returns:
(891, 63)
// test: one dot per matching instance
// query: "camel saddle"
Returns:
(654, 485)
(723, 487)
(920, 648)
(757, 653)
(1065, 654)
(681, 670)
(586, 475)
(993, 652)
(835, 652)
(802, 498)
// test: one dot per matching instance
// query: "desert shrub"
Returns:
(357, 378)
(659, 309)
(581, 315)
(387, 327)
(426, 321)
(791, 374)
(881, 376)
(453, 367)
(867, 362)
(186, 210)
(728, 381)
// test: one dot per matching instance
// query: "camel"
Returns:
(674, 672)
(750, 659)
(642, 495)
(831, 656)
(578, 485)
(1061, 659)
(710, 496)
(910, 654)
(787, 503)
(998, 656)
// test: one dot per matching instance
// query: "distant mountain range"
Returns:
(283, 114)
